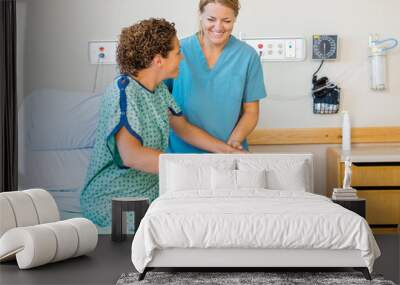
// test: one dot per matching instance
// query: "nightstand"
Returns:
(355, 205)
(375, 176)
(120, 206)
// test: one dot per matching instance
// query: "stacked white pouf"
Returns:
(31, 230)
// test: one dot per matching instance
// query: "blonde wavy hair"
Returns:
(233, 4)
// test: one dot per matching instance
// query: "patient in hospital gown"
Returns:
(135, 115)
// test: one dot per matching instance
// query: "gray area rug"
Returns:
(243, 278)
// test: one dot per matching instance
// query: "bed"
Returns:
(241, 211)
(56, 133)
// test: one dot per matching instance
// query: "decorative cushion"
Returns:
(186, 175)
(235, 179)
(183, 178)
(282, 174)
(251, 178)
(223, 179)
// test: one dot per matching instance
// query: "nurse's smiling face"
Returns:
(217, 23)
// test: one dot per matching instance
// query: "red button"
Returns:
(101, 48)
(260, 46)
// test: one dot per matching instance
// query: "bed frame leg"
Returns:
(143, 274)
(364, 271)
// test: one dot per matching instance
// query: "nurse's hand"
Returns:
(199, 138)
(238, 151)
(235, 144)
(234, 150)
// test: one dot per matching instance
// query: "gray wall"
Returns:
(54, 52)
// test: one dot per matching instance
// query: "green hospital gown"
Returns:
(144, 114)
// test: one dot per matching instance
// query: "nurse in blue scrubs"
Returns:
(220, 81)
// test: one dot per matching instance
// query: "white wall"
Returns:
(58, 31)
(56, 48)
(289, 103)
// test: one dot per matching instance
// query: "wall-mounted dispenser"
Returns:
(377, 54)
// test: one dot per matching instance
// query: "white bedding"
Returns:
(55, 134)
(61, 172)
(251, 218)
(54, 169)
(67, 200)
(58, 119)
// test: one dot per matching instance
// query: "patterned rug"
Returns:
(244, 278)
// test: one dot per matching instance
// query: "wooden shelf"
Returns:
(323, 136)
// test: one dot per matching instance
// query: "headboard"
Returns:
(165, 159)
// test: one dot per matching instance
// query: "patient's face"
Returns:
(171, 62)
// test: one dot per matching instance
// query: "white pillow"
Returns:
(185, 174)
(282, 174)
(223, 179)
(236, 179)
(291, 180)
(183, 178)
(251, 178)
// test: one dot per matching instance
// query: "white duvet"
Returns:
(253, 218)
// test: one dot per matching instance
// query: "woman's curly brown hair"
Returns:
(141, 42)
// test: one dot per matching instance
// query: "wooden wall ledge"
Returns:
(323, 136)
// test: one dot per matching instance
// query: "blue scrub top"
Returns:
(212, 98)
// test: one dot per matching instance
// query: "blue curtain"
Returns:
(8, 98)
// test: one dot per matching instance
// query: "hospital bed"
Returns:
(56, 132)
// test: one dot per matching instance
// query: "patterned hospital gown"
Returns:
(144, 114)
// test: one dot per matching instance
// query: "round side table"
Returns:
(120, 206)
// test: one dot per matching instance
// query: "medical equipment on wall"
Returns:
(102, 53)
(277, 48)
(325, 93)
(325, 47)
(377, 54)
